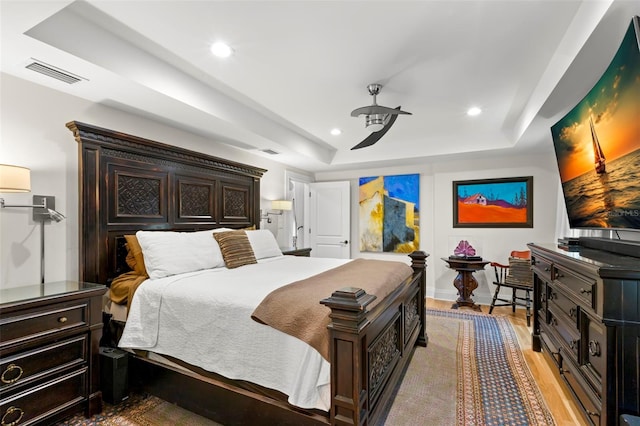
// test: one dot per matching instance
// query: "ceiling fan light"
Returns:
(374, 122)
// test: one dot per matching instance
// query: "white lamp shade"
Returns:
(281, 205)
(14, 178)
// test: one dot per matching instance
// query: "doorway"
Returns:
(296, 190)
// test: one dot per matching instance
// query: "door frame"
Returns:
(292, 179)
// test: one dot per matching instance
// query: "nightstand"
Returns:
(290, 251)
(49, 351)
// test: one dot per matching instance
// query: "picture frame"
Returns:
(493, 203)
(389, 213)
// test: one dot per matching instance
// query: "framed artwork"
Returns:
(389, 210)
(493, 203)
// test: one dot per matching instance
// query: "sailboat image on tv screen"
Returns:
(597, 151)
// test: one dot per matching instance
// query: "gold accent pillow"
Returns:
(236, 248)
(134, 259)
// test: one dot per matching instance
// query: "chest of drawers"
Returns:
(49, 348)
(587, 320)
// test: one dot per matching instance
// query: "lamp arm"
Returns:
(34, 206)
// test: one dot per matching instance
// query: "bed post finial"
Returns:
(419, 265)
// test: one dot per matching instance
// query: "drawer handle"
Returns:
(559, 275)
(9, 412)
(583, 291)
(593, 413)
(572, 312)
(552, 296)
(572, 344)
(62, 319)
(9, 369)
(594, 348)
(547, 269)
(553, 321)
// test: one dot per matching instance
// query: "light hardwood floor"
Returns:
(555, 393)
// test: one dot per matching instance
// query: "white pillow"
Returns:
(170, 253)
(263, 243)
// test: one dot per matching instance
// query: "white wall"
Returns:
(438, 238)
(33, 134)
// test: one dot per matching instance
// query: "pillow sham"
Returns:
(236, 248)
(170, 253)
(263, 243)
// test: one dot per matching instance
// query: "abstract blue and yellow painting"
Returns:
(390, 213)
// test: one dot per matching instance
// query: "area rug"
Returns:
(471, 373)
(141, 410)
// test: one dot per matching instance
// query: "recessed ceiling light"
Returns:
(336, 132)
(473, 111)
(221, 49)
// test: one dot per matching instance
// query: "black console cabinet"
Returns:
(587, 320)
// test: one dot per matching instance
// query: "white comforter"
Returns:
(204, 319)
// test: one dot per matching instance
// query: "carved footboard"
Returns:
(371, 350)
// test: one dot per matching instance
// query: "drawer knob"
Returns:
(62, 319)
(9, 413)
(583, 291)
(594, 348)
(559, 275)
(572, 344)
(572, 312)
(9, 369)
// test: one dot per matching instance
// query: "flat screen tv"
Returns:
(597, 145)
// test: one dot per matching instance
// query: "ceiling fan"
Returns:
(378, 118)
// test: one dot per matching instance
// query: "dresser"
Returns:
(49, 351)
(587, 321)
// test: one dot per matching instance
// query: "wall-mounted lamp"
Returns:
(18, 179)
(280, 206)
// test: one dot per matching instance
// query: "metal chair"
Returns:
(517, 276)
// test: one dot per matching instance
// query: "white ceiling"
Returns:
(300, 68)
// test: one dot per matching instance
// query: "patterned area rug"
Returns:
(471, 373)
(141, 410)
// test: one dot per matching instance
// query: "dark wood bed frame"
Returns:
(129, 183)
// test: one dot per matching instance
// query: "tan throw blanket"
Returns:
(124, 287)
(295, 308)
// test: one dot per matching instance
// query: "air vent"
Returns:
(270, 151)
(53, 72)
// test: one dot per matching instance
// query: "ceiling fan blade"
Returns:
(377, 109)
(375, 136)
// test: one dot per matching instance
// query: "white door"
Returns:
(329, 219)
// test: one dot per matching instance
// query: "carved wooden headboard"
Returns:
(129, 183)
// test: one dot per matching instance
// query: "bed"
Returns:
(130, 184)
